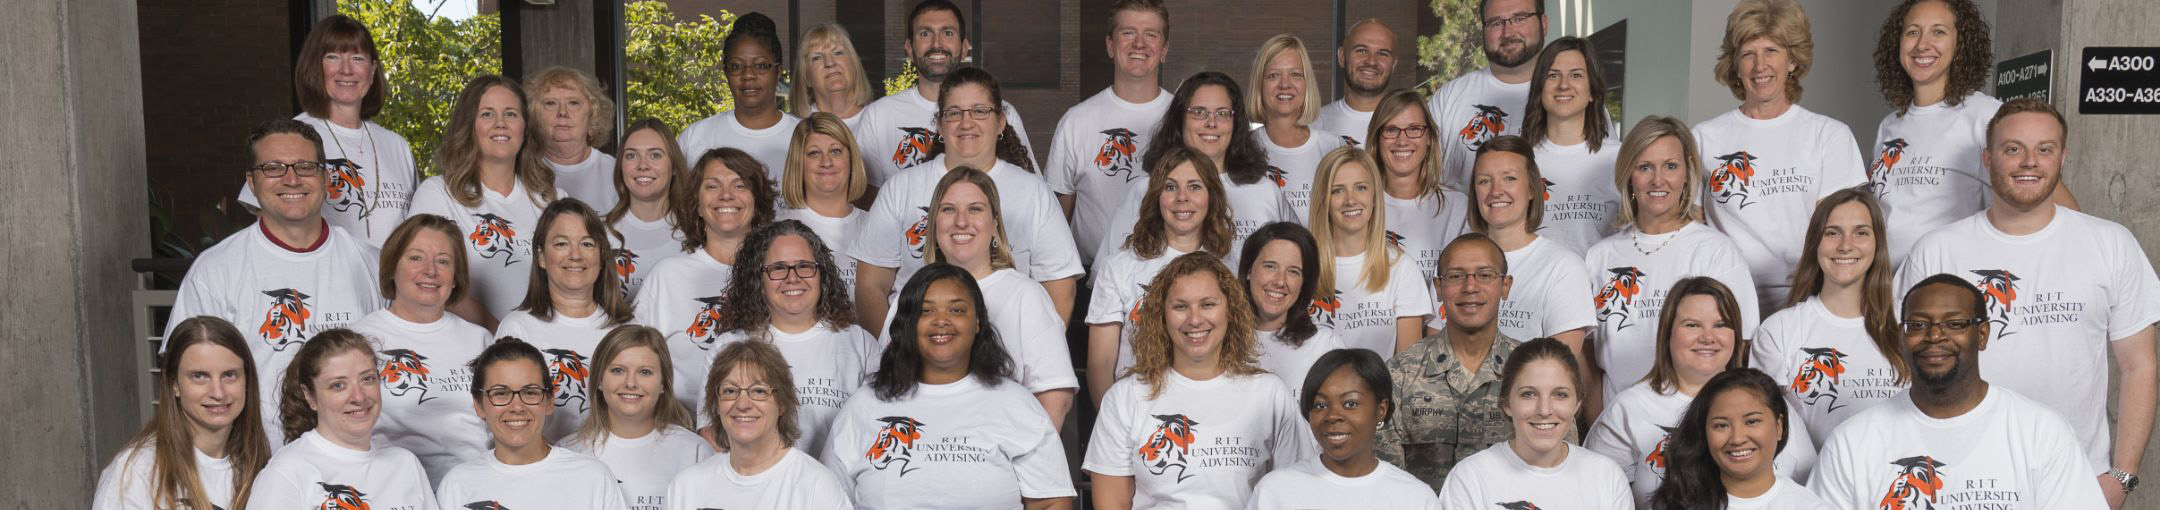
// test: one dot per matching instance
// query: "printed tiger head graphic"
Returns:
(1347, 141)
(1133, 316)
(625, 264)
(341, 497)
(895, 443)
(1396, 240)
(1278, 176)
(1656, 459)
(494, 236)
(569, 370)
(285, 322)
(706, 323)
(918, 235)
(1324, 308)
(1168, 444)
(405, 372)
(1488, 122)
(485, 505)
(1731, 177)
(1547, 195)
(1519, 505)
(915, 144)
(1614, 301)
(1879, 173)
(346, 188)
(1818, 376)
(2000, 288)
(1916, 486)
(1116, 157)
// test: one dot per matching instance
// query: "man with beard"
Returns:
(1095, 155)
(1953, 439)
(1367, 55)
(1486, 103)
(2063, 291)
(896, 132)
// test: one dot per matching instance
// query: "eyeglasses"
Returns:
(1512, 21)
(1458, 277)
(273, 169)
(758, 393)
(1414, 132)
(1951, 325)
(1202, 114)
(803, 269)
(738, 67)
(531, 394)
(977, 113)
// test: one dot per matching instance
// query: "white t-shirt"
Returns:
(1784, 494)
(768, 146)
(1340, 119)
(836, 233)
(1096, 154)
(591, 181)
(498, 239)
(1365, 319)
(1292, 363)
(2007, 452)
(1631, 290)
(828, 367)
(962, 444)
(1828, 366)
(2056, 299)
(427, 403)
(1295, 167)
(1927, 167)
(647, 464)
(563, 479)
(369, 197)
(1498, 478)
(642, 244)
(312, 472)
(893, 233)
(279, 299)
(126, 483)
(1763, 178)
(849, 120)
(1121, 282)
(896, 132)
(1424, 226)
(1308, 485)
(797, 482)
(683, 299)
(1251, 206)
(1638, 424)
(1580, 200)
(569, 344)
(1477, 106)
(1551, 295)
(1027, 323)
(1200, 444)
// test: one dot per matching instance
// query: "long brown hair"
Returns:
(1969, 70)
(1152, 234)
(773, 368)
(1009, 148)
(175, 481)
(459, 156)
(299, 381)
(1878, 304)
(1597, 123)
(607, 287)
(1533, 182)
(1429, 169)
(337, 33)
(1000, 245)
(669, 411)
(1152, 347)
(1664, 376)
(678, 170)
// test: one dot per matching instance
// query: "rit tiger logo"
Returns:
(918, 233)
(1486, 124)
(1167, 446)
(1730, 179)
(1281, 178)
(1546, 191)
(493, 236)
(706, 322)
(346, 186)
(405, 371)
(1656, 459)
(1519, 505)
(341, 497)
(1115, 158)
(1396, 240)
(485, 505)
(895, 443)
(569, 370)
(1133, 317)
(1917, 485)
(1878, 175)
(1818, 377)
(2000, 286)
(1619, 292)
(1347, 141)
(625, 263)
(286, 319)
(915, 144)
(1323, 309)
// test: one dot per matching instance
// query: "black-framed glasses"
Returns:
(977, 113)
(803, 269)
(1458, 277)
(758, 393)
(1916, 327)
(738, 67)
(1202, 114)
(273, 169)
(1512, 21)
(1414, 131)
(531, 394)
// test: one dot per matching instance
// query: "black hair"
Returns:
(1244, 161)
(1298, 326)
(1979, 299)
(1009, 148)
(1366, 364)
(1473, 237)
(747, 310)
(284, 126)
(900, 367)
(758, 28)
(504, 349)
(1692, 477)
(928, 6)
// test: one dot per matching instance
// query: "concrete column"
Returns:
(72, 209)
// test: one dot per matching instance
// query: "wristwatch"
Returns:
(2129, 481)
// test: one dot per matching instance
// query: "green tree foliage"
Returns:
(674, 65)
(428, 60)
(1454, 50)
(903, 81)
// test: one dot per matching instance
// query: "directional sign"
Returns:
(2119, 80)
(2025, 77)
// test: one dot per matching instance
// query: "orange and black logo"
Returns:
(1618, 296)
(341, 497)
(1133, 317)
(493, 236)
(1818, 377)
(625, 263)
(1325, 308)
(895, 443)
(1730, 179)
(1276, 174)
(2001, 289)
(485, 505)
(1168, 445)
(1917, 486)
(285, 322)
(1547, 196)
(706, 322)
(1347, 141)
(1878, 174)
(1395, 240)
(568, 368)
(1656, 459)
(1489, 122)
(346, 188)
(914, 147)
(405, 371)
(919, 233)
(1519, 505)
(1115, 158)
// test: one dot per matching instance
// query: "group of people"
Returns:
(1388, 301)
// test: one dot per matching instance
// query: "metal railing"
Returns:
(143, 312)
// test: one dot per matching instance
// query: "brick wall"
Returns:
(212, 70)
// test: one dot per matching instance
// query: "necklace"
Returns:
(367, 205)
(1636, 238)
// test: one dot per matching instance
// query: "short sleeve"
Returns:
(1766, 343)
(1832, 478)
(1609, 437)
(877, 237)
(195, 296)
(1112, 438)
(2064, 478)
(1293, 437)
(275, 490)
(1041, 345)
(680, 489)
(1113, 294)
(1842, 164)
(841, 439)
(1413, 294)
(432, 197)
(2131, 289)
(611, 494)
(1729, 268)
(1567, 303)
(1050, 242)
(1062, 170)
(1122, 220)
(1462, 487)
(124, 484)
(1038, 455)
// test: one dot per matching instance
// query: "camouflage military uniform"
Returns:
(1443, 412)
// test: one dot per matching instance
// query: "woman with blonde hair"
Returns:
(1370, 291)
(575, 114)
(648, 177)
(1286, 99)
(790, 295)
(425, 409)
(205, 443)
(493, 184)
(1423, 216)
(340, 84)
(636, 426)
(330, 398)
(823, 181)
(573, 299)
(1184, 211)
(829, 76)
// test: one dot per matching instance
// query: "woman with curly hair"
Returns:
(791, 296)
(1184, 211)
(682, 297)
(1193, 384)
